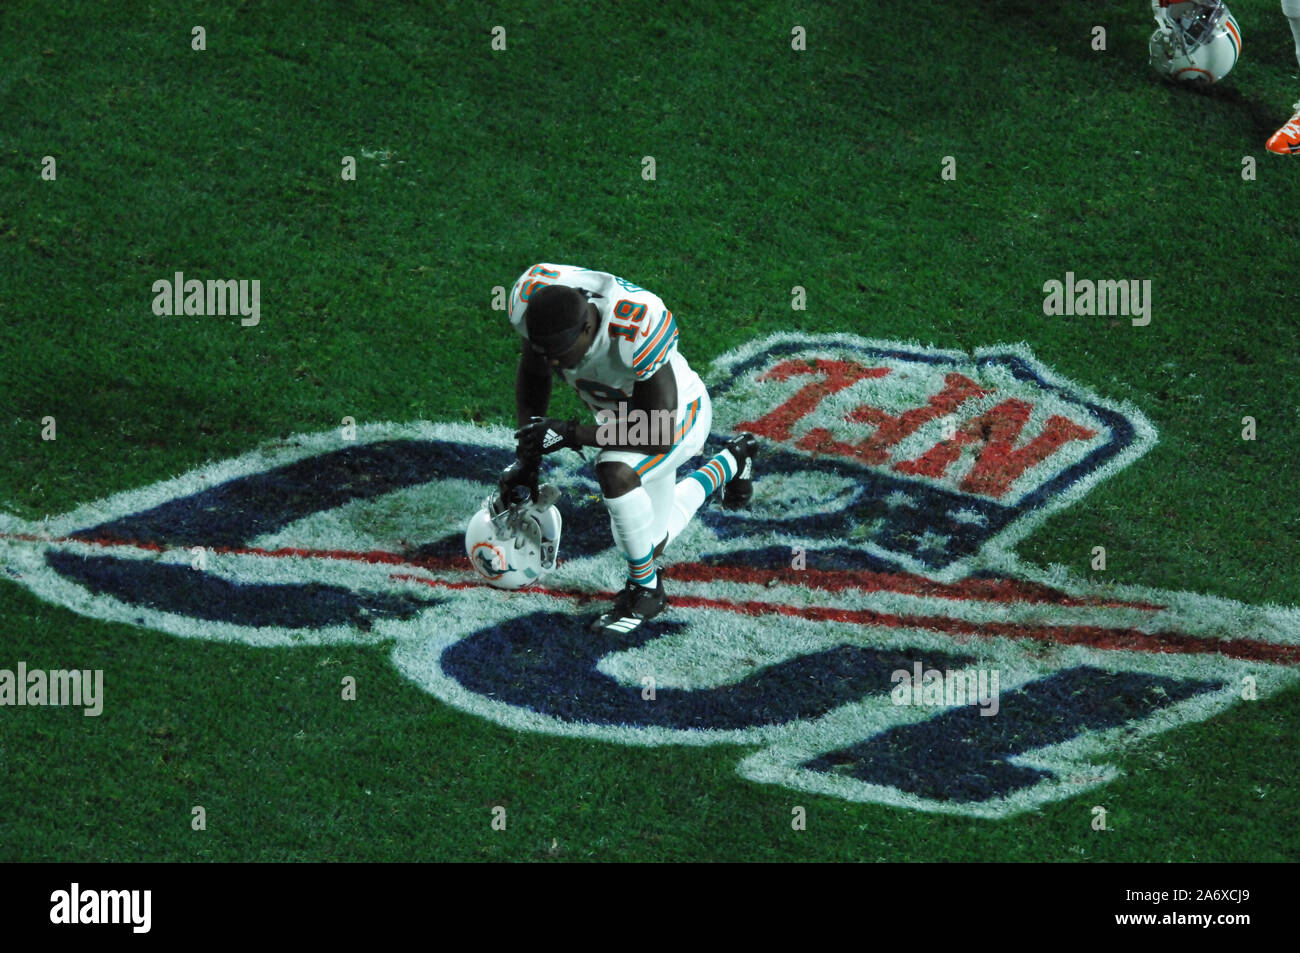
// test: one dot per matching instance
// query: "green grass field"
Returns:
(774, 168)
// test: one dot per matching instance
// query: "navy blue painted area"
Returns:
(585, 530)
(925, 528)
(547, 662)
(234, 512)
(180, 589)
(584, 521)
(961, 755)
(826, 560)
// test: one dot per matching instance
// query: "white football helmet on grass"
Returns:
(516, 545)
(1194, 42)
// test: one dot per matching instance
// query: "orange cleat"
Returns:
(1286, 141)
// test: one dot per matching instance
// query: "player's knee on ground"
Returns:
(616, 479)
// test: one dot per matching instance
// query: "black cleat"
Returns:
(740, 488)
(634, 605)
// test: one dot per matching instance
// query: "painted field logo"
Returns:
(935, 458)
(901, 476)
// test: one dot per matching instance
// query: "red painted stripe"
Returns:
(1097, 637)
(373, 557)
(994, 590)
(1091, 636)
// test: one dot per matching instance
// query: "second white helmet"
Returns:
(1195, 42)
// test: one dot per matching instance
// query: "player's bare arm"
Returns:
(532, 386)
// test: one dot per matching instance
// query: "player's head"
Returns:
(561, 324)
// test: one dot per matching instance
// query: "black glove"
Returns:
(520, 475)
(546, 435)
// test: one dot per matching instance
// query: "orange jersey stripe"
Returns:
(649, 346)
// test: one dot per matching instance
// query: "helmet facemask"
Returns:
(1191, 24)
(525, 535)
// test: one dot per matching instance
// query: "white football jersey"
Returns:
(637, 336)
